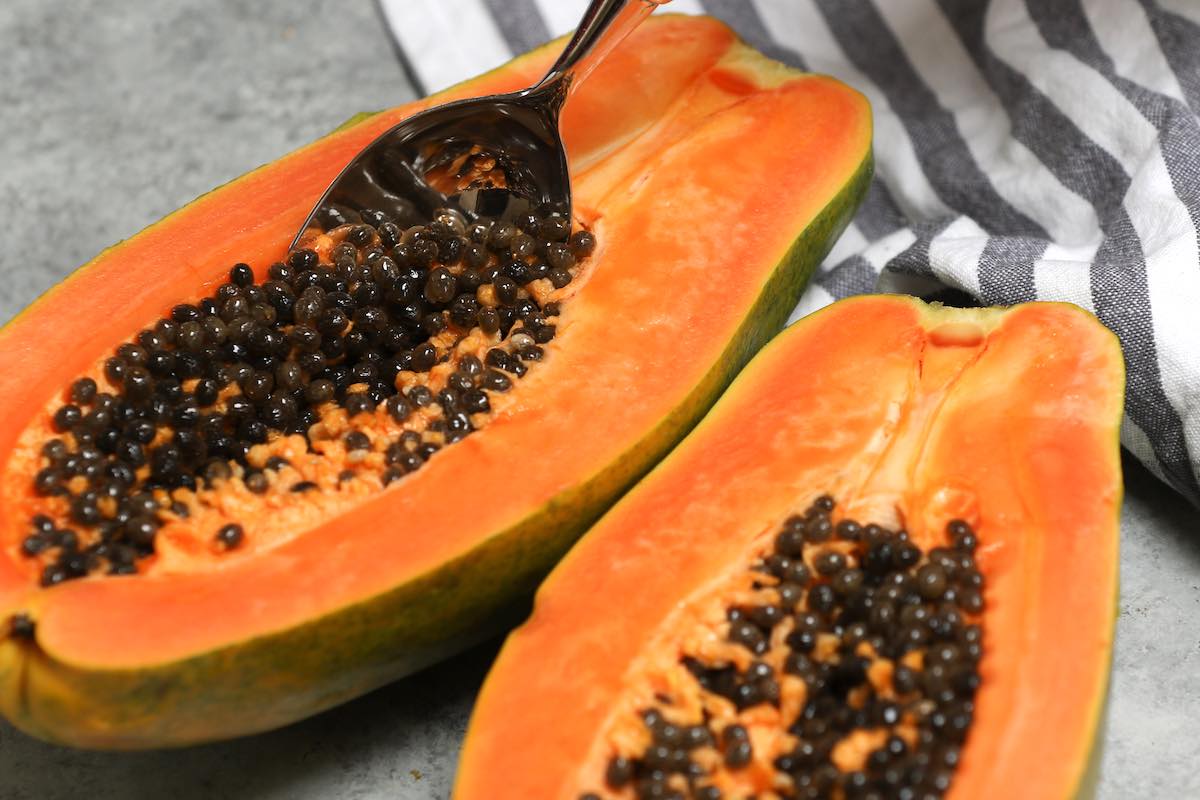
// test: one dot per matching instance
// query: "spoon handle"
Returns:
(604, 25)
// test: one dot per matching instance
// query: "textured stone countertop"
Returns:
(115, 113)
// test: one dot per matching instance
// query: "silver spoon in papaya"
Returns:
(496, 157)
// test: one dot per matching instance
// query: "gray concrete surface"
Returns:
(114, 113)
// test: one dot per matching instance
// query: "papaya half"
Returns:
(883, 565)
(213, 519)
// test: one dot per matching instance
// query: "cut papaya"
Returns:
(883, 565)
(242, 485)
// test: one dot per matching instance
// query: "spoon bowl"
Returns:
(497, 157)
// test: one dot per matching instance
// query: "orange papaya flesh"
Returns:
(912, 416)
(685, 123)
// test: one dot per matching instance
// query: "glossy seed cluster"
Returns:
(866, 651)
(356, 323)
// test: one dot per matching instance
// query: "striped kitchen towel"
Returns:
(1026, 149)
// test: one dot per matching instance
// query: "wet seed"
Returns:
(830, 563)
(83, 391)
(357, 440)
(619, 772)
(21, 626)
(931, 581)
(230, 536)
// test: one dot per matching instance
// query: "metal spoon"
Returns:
(496, 156)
